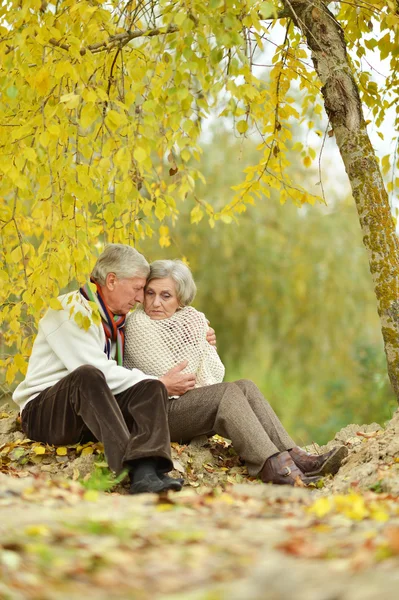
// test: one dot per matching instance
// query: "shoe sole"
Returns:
(142, 488)
(332, 464)
(175, 485)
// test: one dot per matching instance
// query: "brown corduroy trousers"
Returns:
(81, 407)
(237, 411)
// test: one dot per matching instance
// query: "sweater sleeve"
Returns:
(210, 369)
(74, 346)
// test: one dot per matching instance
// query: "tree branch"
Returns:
(119, 40)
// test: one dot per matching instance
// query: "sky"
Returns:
(333, 170)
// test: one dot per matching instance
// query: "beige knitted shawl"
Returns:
(155, 346)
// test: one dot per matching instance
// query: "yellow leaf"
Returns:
(11, 372)
(91, 496)
(86, 323)
(88, 115)
(70, 100)
(196, 214)
(164, 239)
(160, 209)
(179, 18)
(37, 530)
(42, 81)
(87, 451)
(386, 164)
(122, 159)
(19, 361)
(242, 126)
(16, 255)
(185, 154)
(55, 304)
(39, 450)
(321, 507)
(163, 230)
(44, 139)
(307, 162)
(30, 155)
(115, 119)
(139, 154)
(62, 451)
(54, 129)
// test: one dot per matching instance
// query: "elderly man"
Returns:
(76, 388)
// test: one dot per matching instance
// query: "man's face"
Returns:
(121, 295)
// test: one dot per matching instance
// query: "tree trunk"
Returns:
(326, 42)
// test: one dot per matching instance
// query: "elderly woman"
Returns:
(165, 331)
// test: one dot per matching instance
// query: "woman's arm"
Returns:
(210, 368)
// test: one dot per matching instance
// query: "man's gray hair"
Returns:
(181, 275)
(122, 260)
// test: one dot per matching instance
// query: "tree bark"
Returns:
(326, 42)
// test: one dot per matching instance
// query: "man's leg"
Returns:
(144, 409)
(80, 406)
(222, 408)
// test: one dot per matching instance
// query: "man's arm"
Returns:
(76, 347)
(211, 336)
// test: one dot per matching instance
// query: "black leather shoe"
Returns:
(172, 484)
(148, 484)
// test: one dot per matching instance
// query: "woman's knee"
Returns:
(247, 386)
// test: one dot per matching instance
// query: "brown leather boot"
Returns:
(319, 464)
(282, 470)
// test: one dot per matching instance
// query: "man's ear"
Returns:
(110, 281)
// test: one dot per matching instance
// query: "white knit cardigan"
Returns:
(156, 346)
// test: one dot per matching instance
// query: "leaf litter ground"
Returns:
(224, 536)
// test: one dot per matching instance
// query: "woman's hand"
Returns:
(176, 382)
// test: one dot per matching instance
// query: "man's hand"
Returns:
(211, 336)
(176, 382)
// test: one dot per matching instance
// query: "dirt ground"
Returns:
(225, 536)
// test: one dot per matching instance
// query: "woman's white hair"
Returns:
(181, 275)
(122, 260)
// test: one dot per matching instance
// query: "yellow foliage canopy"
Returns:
(102, 104)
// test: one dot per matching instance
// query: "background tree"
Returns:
(102, 105)
(289, 292)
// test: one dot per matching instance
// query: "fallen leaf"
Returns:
(178, 466)
(392, 535)
(90, 496)
(368, 436)
(37, 530)
(88, 450)
(39, 450)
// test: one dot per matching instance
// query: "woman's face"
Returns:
(160, 298)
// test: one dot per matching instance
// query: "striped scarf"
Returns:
(113, 325)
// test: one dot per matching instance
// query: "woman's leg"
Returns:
(224, 409)
(321, 464)
(266, 415)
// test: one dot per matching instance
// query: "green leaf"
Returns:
(12, 92)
